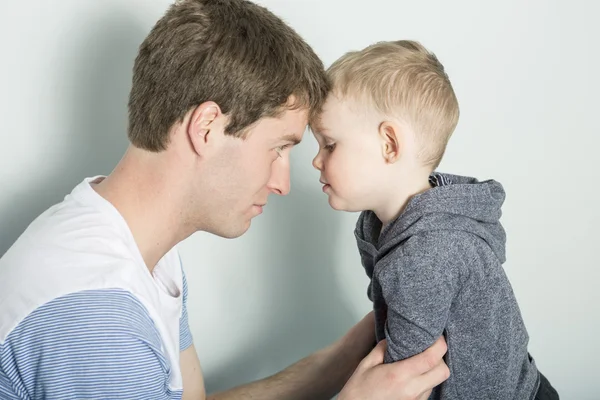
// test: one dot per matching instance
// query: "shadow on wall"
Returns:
(306, 310)
(96, 78)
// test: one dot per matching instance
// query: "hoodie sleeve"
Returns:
(418, 290)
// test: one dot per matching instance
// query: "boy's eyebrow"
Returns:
(322, 133)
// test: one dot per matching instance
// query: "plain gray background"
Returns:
(525, 73)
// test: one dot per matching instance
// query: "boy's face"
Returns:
(350, 157)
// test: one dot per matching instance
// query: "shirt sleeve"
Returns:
(97, 344)
(418, 291)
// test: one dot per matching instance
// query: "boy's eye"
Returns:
(329, 147)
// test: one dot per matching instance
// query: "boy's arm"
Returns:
(418, 292)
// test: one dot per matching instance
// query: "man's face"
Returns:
(245, 172)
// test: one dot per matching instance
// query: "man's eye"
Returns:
(280, 149)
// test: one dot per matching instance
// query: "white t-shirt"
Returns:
(81, 316)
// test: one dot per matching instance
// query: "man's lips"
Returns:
(259, 207)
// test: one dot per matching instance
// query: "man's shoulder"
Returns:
(92, 343)
(34, 274)
(83, 221)
(71, 247)
(73, 325)
(81, 314)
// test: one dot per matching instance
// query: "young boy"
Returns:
(431, 243)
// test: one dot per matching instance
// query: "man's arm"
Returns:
(303, 380)
(191, 373)
(318, 376)
(322, 374)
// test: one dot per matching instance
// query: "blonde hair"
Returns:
(402, 79)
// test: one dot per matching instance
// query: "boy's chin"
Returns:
(340, 205)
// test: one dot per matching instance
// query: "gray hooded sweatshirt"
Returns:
(437, 270)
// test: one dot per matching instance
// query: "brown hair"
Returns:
(405, 80)
(233, 52)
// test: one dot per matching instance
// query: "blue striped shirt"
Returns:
(93, 344)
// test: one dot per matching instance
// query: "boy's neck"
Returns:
(397, 201)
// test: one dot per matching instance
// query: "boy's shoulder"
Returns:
(437, 254)
(430, 257)
(436, 244)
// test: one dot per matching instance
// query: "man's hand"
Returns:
(410, 379)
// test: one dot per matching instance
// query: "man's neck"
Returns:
(144, 194)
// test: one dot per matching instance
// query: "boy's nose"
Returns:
(318, 162)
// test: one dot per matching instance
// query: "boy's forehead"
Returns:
(332, 116)
(335, 107)
(322, 135)
(326, 118)
(316, 125)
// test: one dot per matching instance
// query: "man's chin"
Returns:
(236, 233)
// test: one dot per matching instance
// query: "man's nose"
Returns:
(279, 183)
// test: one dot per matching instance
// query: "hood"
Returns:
(460, 203)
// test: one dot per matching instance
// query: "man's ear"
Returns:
(205, 126)
(392, 143)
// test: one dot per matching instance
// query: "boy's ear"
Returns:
(391, 141)
(205, 126)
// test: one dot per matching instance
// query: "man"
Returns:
(92, 295)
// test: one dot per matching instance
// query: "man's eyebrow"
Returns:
(294, 139)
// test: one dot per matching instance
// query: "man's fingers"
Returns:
(425, 395)
(432, 378)
(375, 357)
(430, 358)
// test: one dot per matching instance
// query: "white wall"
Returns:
(527, 81)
